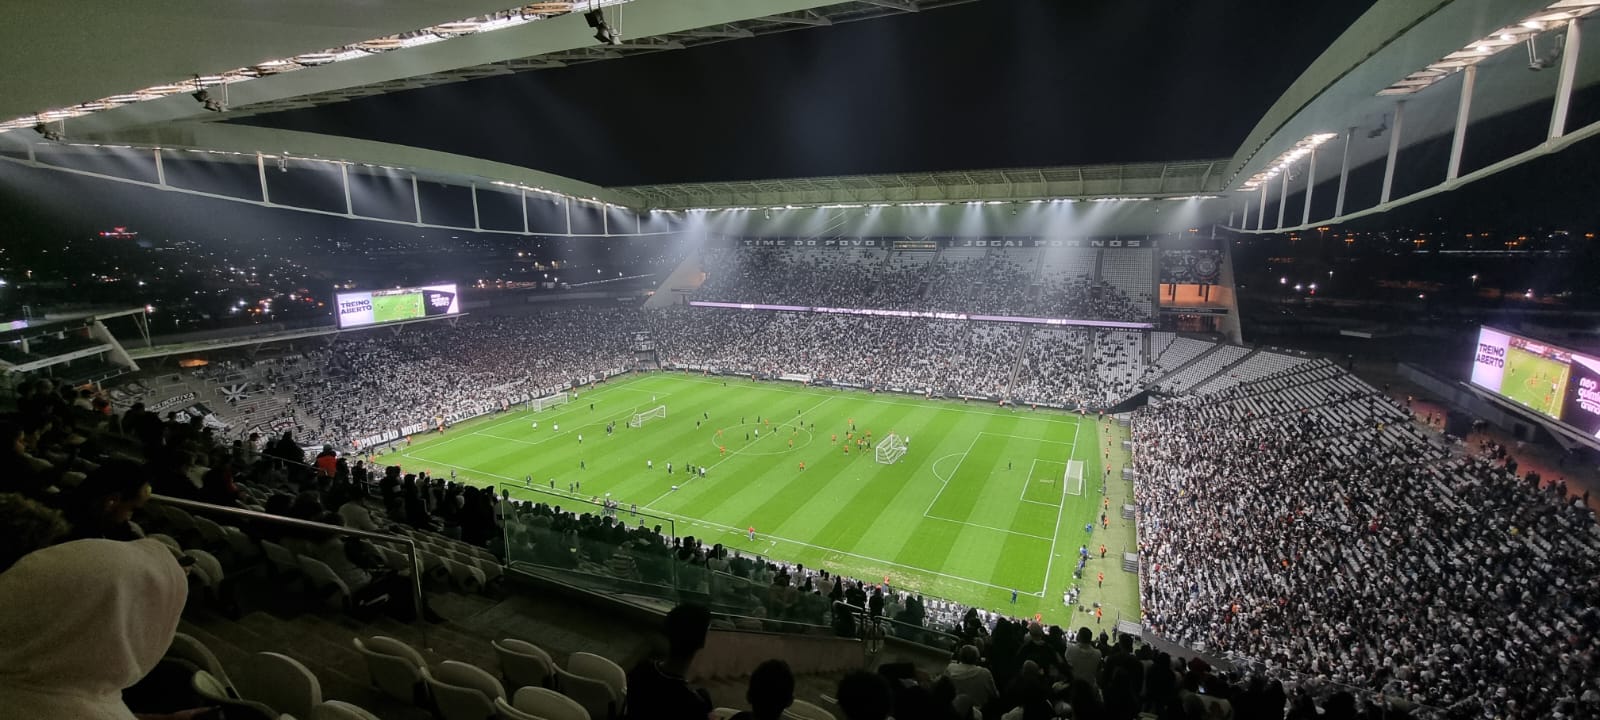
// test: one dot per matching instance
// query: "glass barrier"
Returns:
(637, 556)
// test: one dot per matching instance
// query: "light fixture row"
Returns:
(1552, 17)
(503, 19)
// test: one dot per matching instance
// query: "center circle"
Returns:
(778, 439)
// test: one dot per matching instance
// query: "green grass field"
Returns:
(1529, 378)
(978, 507)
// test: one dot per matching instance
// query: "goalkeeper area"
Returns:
(985, 501)
(639, 419)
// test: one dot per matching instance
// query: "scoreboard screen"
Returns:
(377, 307)
(1555, 382)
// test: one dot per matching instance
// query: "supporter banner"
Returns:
(170, 402)
(1191, 267)
(377, 439)
(934, 315)
(795, 377)
(857, 243)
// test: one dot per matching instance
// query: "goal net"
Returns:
(891, 449)
(551, 401)
(1073, 477)
(659, 411)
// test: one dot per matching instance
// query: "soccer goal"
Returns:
(659, 411)
(1074, 477)
(891, 449)
(545, 403)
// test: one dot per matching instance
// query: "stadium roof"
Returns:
(1346, 105)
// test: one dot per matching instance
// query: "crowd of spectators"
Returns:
(991, 281)
(1288, 524)
(831, 276)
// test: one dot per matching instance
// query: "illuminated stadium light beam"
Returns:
(500, 20)
(1554, 16)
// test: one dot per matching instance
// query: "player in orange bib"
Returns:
(723, 448)
(834, 439)
(791, 443)
(802, 466)
(847, 449)
(719, 432)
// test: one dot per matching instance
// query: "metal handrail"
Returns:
(410, 544)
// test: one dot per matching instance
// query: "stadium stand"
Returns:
(1204, 367)
(1256, 366)
(1405, 568)
(1054, 368)
(1054, 282)
(1264, 467)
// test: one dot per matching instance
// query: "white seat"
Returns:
(169, 541)
(393, 667)
(492, 569)
(207, 571)
(335, 710)
(802, 710)
(593, 694)
(593, 666)
(280, 682)
(723, 713)
(524, 664)
(325, 581)
(394, 559)
(187, 647)
(242, 546)
(462, 691)
(467, 578)
(505, 711)
(210, 532)
(281, 559)
(207, 686)
(548, 704)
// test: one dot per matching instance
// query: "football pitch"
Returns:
(981, 505)
(1529, 379)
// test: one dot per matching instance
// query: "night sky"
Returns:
(995, 83)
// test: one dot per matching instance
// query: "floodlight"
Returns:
(603, 31)
(49, 133)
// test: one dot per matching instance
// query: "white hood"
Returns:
(81, 621)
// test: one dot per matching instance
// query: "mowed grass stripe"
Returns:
(847, 514)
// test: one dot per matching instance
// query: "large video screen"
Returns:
(376, 307)
(1555, 382)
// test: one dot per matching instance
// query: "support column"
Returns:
(1569, 69)
(416, 198)
(261, 172)
(1344, 173)
(1311, 183)
(605, 220)
(1283, 198)
(524, 195)
(1463, 116)
(475, 224)
(1394, 152)
(1261, 212)
(569, 215)
(161, 172)
(344, 176)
